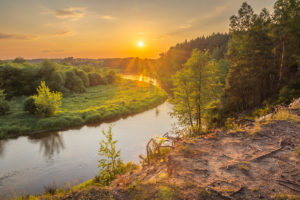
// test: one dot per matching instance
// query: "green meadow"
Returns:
(97, 104)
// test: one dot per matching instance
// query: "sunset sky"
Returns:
(110, 28)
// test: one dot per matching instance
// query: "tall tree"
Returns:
(195, 87)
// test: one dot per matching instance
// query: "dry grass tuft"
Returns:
(284, 114)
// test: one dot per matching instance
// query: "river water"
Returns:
(28, 164)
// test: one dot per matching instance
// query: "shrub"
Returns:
(110, 77)
(95, 79)
(73, 82)
(46, 102)
(29, 105)
(19, 60)
(4, 107)
(93, 118)
(165, 193)
(289, 92)
(284, 114)
(83, 76)
(110, 163)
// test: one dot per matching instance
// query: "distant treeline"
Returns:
(131, 65)
(22, 78)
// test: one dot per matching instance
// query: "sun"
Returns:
(140, 44)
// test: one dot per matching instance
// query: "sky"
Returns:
(109, 28)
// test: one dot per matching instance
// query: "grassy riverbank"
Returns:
(100, 103)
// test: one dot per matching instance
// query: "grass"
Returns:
(256, 128)
(165, 193)
(284, 114)
(100, 103)
(285, 197)
(244, 166)
(298, 150)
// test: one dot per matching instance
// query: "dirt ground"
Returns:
(259, 162)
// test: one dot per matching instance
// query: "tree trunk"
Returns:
(281, 64)
(199, 103)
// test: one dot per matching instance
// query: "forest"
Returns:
(255, 66)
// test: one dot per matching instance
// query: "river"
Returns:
(28, 164)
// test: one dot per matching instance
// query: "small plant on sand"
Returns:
(232, 126)
(110, 162)
(244, 166)
(165, 193)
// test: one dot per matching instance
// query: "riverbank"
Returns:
(98, 104)
(257, 161)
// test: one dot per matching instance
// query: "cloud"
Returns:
(63, 33)
(68, 13)
(5, 36)
(107, 17)
(45, 51)
(55, 51)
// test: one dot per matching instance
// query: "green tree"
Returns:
(29, 105)
(19, 60)
(195, 87)
(47, 102)
(110, 162)
(263, 54)
(4, 107)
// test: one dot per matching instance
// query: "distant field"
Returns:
(99, 103)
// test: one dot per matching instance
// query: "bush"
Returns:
(46, 102)
(19, 60)
(110, 77)
(4, 107)
(29, 105)
(289, 92)
(110, 162)
(95, 79)
(73, 82)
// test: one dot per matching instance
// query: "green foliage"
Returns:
(46, 102)
(110, 162)
(171, 61)
(285, 197)
(29, 105)
(73, 82)
(22, 78)
(99, 103)
(165, 193)
(262, 111)
(19, 60)
(196, 86)
(95, 79)
(264, 56)
(4, 107)
(289, 92)
(284, 114)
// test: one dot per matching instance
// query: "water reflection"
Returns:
(2, 144)
(50, 143)
(156, 112)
